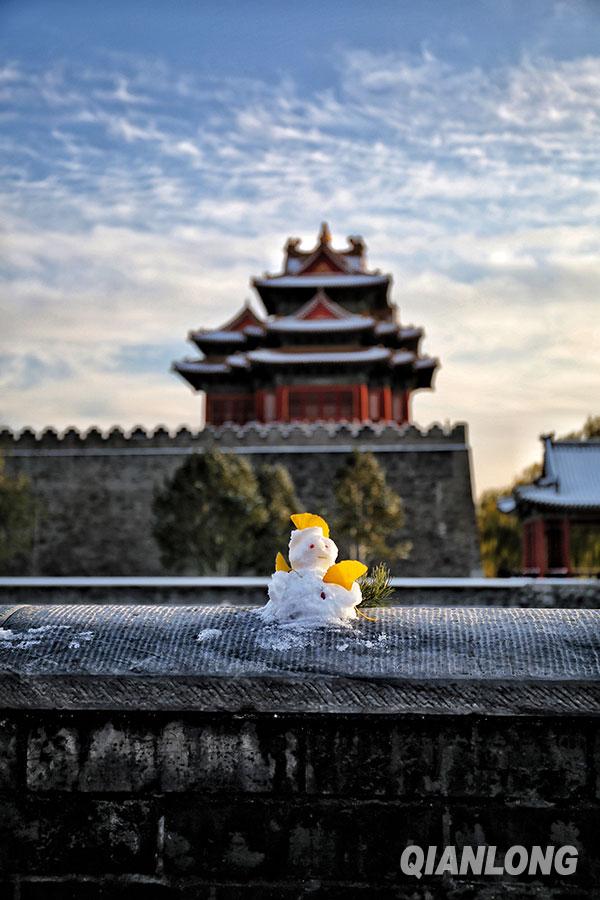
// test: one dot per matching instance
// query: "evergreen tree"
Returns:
(590, 431)
(369, 514)
(17, 517)
(500, 536)
(208, 515)
(279, 496)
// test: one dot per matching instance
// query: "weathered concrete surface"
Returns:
(199, 800)
(401, 643)
(95, 491)
(408, 659)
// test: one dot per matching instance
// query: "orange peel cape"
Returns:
(281, 564)
(345, 573)
(308, 520)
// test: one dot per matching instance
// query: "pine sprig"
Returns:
(375, 587)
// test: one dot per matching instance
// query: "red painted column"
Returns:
(363, 410)
(540, 552)
(387, 404)
(535, 556)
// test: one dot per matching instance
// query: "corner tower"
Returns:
(330, 347)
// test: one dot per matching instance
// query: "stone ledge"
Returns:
(416, 660)
(320, 696)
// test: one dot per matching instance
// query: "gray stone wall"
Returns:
(96, 491)
(107, 805)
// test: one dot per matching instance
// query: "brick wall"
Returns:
(195, 805)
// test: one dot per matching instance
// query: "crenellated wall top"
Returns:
(231, 436)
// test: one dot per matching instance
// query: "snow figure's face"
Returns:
(311, 551)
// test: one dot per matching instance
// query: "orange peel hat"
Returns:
(308, 520)
(345, 573)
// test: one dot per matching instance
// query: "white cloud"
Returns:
(138, 202)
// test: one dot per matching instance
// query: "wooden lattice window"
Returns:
(237, 408)
(326, 404)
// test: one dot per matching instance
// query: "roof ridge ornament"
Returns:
(325, 235)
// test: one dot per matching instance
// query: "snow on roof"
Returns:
(425, 362)
(386, 328)
(347, 323)
(238, 360)
(321, 280)
(410, 331)
(219, 337)
(403, 358)
(299, 261)
(244, 316)
(321, 305)
(275, 357)
(200, 367)
(354, 262)
(571, 479)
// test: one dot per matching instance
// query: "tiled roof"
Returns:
(326, 279)
(219, 336)
(275, 357)
(571, 476)
(309, 326)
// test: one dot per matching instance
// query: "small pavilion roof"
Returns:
(342, 273)
(242, 319)
(233, 331)
(320, 314)
(233, 334)
(323, 261)
(323, 256)
(570, 479)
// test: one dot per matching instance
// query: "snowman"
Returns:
(313, 589)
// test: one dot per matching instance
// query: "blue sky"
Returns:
(156, 155)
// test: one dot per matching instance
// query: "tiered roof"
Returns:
(570, 479)
(343, 274)
(326, 309)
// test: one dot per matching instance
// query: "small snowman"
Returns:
(313, 589)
